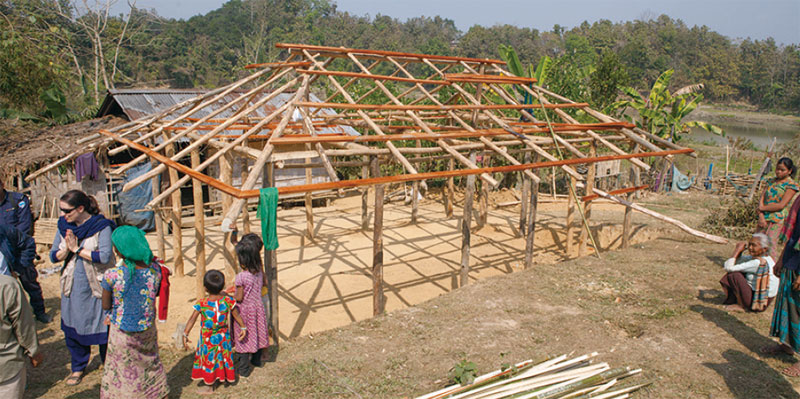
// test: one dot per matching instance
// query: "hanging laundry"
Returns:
(86, 166)
(268, 213)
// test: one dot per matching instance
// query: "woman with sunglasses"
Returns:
(83, 245)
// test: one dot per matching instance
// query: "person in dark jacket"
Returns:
(15, 212)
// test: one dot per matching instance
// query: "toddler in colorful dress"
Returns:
(212, 359)
(249, 283)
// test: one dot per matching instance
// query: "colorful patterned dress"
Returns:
(212, 360)
(133, 368)
(773, 195)
(251, 308)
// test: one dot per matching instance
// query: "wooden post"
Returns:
(245, 211)
(626, 224)
(271, 263)
(589, 190)
(727, 159)
(526, 188)
(226, 176)
(378, 305)
(157, 219)
(308, 200)
(570, 215)
(415, 195)
(177, 236)
(199, 229)
(483, 204)
(466, 220)
(529, 239)
(450, 194)
(553, 182)
(365, 193)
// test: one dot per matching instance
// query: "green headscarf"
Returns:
(133, 246)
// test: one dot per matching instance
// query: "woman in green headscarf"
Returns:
(133, 368)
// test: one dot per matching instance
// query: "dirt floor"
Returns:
(654, 306)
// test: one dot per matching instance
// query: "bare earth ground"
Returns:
(653, 306)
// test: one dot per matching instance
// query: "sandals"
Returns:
(792, 371)
(73, 379)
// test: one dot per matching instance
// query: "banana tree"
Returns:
(661, 112)
(509, 55)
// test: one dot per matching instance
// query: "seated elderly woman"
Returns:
(750, 283)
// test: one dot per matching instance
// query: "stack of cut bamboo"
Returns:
(558, 377)
(736, 184)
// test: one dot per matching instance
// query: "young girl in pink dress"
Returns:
(248, 301)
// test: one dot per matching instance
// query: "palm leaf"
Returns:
(660, 86)
(690, 89)
(509, 55)
(542, 69)
(632, 93)
(705, 125)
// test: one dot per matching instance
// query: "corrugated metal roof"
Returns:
(136, 103)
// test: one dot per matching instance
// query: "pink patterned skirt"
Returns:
(133, 368)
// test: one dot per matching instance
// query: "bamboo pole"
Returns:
(626, 223)
(570, 217)
(202, 139)
(415, 195)
(199, 230)
(463, 123)
(678, 223)
(466, 221)
(245, 211)
(392, 148)
(271, 260)
(445, 144)
(158, 220)
(378, 305)
(531, 230)
(483, 204)
(309, 202)
(449, 194)
(239, 140)
(365, 192)
(226, 176)
(252, 177)
(208, 136)
(587, 210)
(502, 123)
(177, 234)
(523, 208)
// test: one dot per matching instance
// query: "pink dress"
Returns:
(252, 311)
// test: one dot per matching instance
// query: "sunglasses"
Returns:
(66, 211)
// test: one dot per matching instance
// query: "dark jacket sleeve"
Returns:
(27, 248)
(24, 214)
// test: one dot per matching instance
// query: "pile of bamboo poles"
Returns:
(736, 184)
(559, 377)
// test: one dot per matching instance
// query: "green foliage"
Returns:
(662, 112)
(55, 103)
(40, 48)
(464, 372)
(605, 82)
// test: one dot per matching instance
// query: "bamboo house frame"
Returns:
(409, 109)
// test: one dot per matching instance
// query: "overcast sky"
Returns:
(756, 19)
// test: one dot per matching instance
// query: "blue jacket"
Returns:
(18, 248)
(15, 211)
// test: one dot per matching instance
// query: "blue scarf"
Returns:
(87, 229)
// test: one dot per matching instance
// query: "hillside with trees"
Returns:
(57, 59)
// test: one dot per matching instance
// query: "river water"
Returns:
(760, 135)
